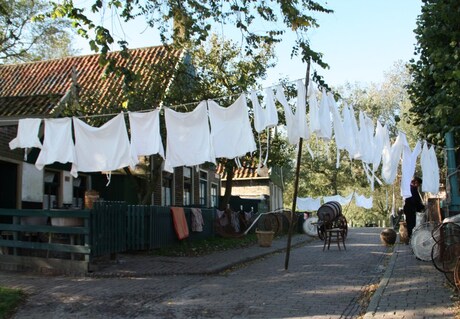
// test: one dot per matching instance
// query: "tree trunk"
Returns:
(228, 187)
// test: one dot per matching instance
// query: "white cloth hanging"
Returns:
(324, 115)
(430, 169)
(292, 125)
(381, 135)
(339, 131)
(315, 124)
(363, 201)
(264, 117)
(301, 110)
(351, 130)
(340, 199)
(145, 133)
(188, 139)
(27, 135)
(231, 132)
(391, 157)
(104, 148)
(409, 160)
(308, 204)
(296, 122)
(366, 138)
(58, 144)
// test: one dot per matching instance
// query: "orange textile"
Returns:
(180, 222)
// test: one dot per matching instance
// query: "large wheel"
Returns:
(341, 223)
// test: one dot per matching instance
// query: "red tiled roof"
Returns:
(35, 88)
(246, 171)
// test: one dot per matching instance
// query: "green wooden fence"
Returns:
(68, 240)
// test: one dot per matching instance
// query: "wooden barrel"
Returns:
(329, 211)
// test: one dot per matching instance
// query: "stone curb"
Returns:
(377, 296)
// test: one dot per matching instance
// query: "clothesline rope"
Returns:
(196, 103)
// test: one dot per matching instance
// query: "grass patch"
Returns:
(206, 246)
(10, 299)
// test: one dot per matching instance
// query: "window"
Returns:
(203, 188)
(166, 190)
(187, 201)
(214, 195)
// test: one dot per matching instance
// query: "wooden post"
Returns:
(296, 183)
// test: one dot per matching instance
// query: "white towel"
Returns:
(188, 139)
(409, 161)
(145, 133)
(430, 170)
(104, 148)
(27, 135)
(58, 144)
(264, 117)
(337, 198)
(363, 201)
(231, 132)
(308, 204)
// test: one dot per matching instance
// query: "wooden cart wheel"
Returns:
(321, 230)
(341, 222)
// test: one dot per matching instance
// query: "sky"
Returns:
(360, 41)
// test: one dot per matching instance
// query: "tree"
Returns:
(193, 21)
(435, 88)
(22, 38)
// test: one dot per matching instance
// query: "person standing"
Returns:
(413, 204)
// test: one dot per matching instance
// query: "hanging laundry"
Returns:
(340, 199)
(430, 169)
(296, 122)
(145, 133)
(363, 201)
(339, 131)
(409, 160)
(197, 220)
(315, 123)
(308, 204)
(380, 137)
(366, 138)
(58, 144)
(391, 156)
(264, 117)
(351, 130)
(301, 110)
(104, 148)
(324, 115)
(179, 222)
(231, 132)
(188, 139)
(27, 135)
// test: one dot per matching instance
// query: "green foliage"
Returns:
(435, 89)
(10, 299)
(26, 35)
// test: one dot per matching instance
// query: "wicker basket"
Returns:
(264, 237)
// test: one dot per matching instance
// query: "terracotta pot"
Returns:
(388, 237)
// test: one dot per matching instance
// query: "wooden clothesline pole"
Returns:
(296, 182)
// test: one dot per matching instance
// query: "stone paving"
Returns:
(248, 283)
